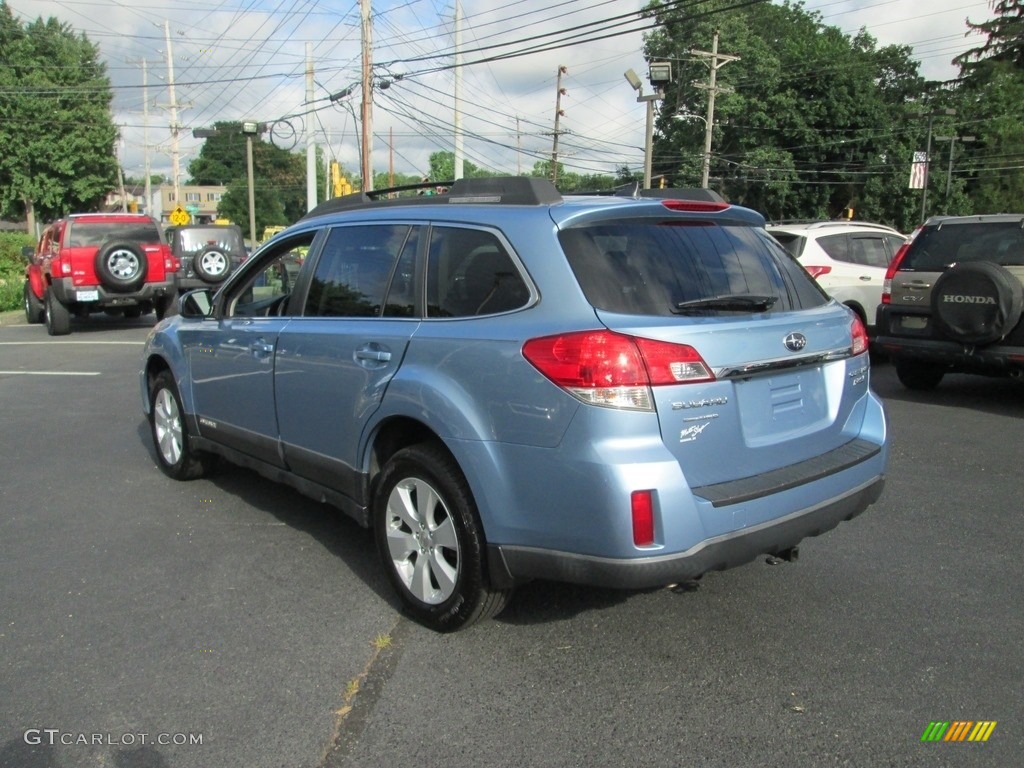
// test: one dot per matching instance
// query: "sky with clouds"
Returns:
(245, 59)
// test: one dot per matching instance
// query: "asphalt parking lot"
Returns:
(139, 616)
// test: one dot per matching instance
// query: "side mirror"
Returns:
(28, 252)
(196, 304)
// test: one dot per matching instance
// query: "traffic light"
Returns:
(339, 184)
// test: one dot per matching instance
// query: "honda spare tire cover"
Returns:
(211, 265)
(977, 302)
(121, 265)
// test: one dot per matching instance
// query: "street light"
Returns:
(660, 74)
(249, 129)
(949, 171)
(928, 155)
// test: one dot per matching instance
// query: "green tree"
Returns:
(989, 96)
(1004, 37)
(807, 116)
(56, 129)
(442, 168)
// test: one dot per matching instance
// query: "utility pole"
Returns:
(459, 153)
(519, 149)
(175, 125)
(559, 112)
(145, 140)
(148, 184)
(366, 114)
(716, 61)
(310, 139)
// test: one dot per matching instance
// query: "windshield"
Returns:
(198, 239)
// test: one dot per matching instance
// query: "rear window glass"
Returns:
(650, 268)
(82, 234)
(935, 248)
(224, 238)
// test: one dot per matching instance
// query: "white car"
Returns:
(847, 258)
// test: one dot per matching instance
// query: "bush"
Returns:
(12, 268)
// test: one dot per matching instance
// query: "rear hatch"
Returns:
(939, 274)
(782, 384)
(87, 235)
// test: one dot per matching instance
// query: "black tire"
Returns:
(919, 376)
(431, 542)
(121, 266)
(977, 302)
(58, 318)
(35, 309)
(211, 265)
(169, 430)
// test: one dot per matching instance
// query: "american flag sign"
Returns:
(919, 171)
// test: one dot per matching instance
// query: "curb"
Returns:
(12, 317)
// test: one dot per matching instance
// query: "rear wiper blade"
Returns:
(728, 303)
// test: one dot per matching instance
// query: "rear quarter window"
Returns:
(650, 267)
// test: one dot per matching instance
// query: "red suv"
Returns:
(117, 263)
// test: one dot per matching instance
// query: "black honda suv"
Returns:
(952, 300)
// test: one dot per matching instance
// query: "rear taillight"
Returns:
(642, 510)
(817, 272)
(612, 369)
(859, 334)
(894, 266)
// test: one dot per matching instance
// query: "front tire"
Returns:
(35, 309)
(175, 456)
(430, 541)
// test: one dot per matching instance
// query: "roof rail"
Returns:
(825, 223)
(502, 190)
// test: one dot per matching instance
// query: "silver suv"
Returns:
(847, 258)
(953, 300)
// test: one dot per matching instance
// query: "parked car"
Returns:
(207, 253)
(953, 299)
(117, 263)
(510, 384)
(847, 258)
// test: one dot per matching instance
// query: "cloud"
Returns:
(231, 64)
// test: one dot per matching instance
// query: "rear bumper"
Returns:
(512, 564)
(67, 293)
(995, 359)
(957, 357)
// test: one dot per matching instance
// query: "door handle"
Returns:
(377, 355)
(261, 348)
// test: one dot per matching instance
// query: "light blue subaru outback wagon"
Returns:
(508, 384)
